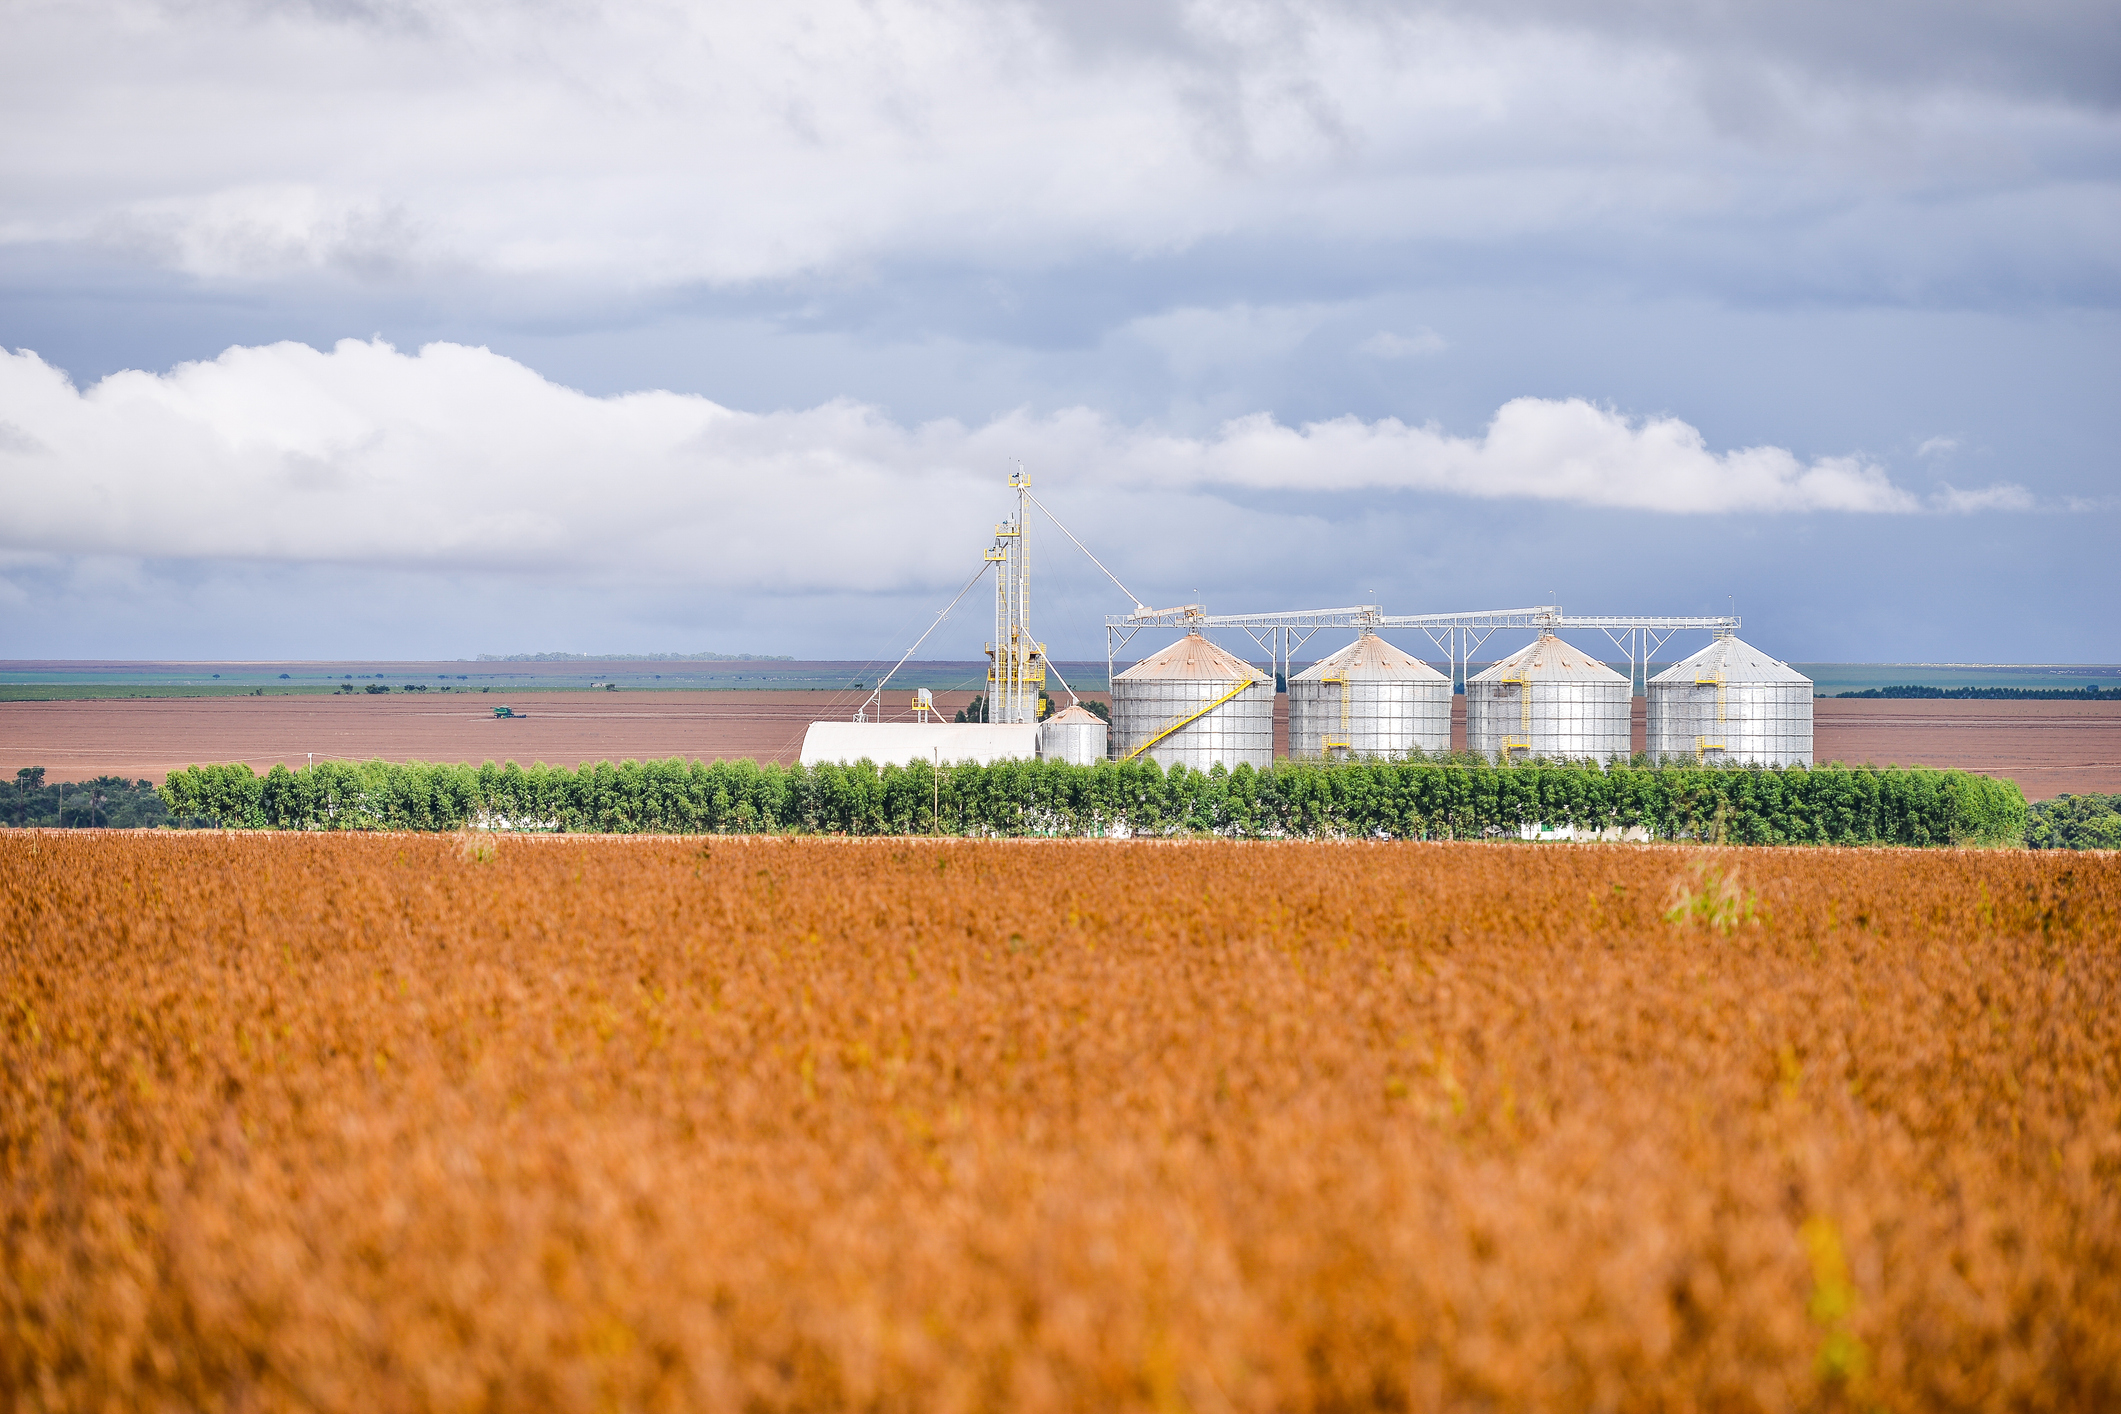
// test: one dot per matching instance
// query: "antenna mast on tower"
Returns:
(1017, 671)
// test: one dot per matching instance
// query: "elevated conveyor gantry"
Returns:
(1458, 636)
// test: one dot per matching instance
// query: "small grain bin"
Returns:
(1549, 699)
(1075, 735)
(1731, 702)
(1194, 705)
(1369, 699)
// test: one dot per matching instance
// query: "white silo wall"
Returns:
(1077, 742)
(1238, 732)
(1568, 720)
(1761, 723)
(1764, 719)
(1384, 718)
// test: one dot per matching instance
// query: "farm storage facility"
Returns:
(1731, 703)
(909, 743)
(1194, 704)
(1549, 699)
(1075, 735)
(1199, 705)
(1369, 699)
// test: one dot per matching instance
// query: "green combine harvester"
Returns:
(511, 714)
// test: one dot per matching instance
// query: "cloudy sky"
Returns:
(402, 328)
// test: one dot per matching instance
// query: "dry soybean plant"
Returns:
(398, 1123)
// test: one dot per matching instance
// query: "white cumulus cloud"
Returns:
(456, 458)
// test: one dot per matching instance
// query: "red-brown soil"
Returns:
(136, 737)
(2047, 747)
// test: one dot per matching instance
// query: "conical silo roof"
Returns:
(1194, 659)
(1070, 716)
(1548, 658)
(1732, 660)
(1370, 659)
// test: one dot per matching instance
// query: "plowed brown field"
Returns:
(149, 737)
(401, 1123)
(2047, 747)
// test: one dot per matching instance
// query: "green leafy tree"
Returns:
(108, 801)
(2075, 822)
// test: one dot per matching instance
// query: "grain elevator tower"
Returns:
(1017, 670)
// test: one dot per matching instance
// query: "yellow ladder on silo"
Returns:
(1346, 741)
(1702, 745)
(1523, 742)
(1185, 720)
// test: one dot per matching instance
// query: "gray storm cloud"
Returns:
(650, 144)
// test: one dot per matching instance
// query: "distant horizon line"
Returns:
(8, 664)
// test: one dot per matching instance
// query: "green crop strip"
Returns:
(1366, 799)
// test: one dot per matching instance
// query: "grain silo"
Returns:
(1549, 699)
(1075, 735)
(1369, 699)
(1731, 702)
(1194, 705)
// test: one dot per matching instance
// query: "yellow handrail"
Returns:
(1183, 721)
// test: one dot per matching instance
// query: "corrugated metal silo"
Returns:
(1549, 699)
(1369, 699)
(1731, 702)
(1075, 735)
(1194, 705)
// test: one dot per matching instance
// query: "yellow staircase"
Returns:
(1186, 720)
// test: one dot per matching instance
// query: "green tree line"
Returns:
(1392, 799)
(2090, 693)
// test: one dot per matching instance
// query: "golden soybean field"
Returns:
(393, 1123)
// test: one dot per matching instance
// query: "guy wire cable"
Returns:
(878, 694)
(1132, 597)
